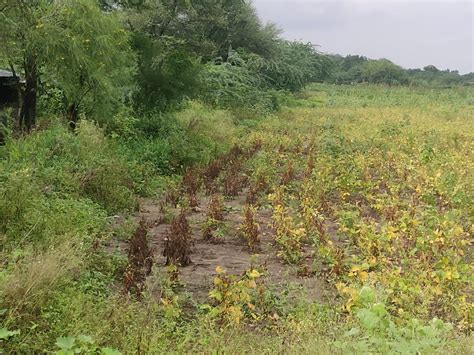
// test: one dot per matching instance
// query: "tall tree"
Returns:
(174, 37)
(26, 29)
(70, 43)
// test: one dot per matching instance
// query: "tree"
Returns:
(174, 39)
(295, 65)
(25, 28)
(70, 43)
(383, 71)
(93, 61)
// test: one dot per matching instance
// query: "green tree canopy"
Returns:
(70, 44)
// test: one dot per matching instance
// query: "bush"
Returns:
(166, 143)
(233, 85)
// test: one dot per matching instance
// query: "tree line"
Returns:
(353, 69)
(93, 58)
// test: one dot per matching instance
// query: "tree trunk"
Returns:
(73, 115)
(28, 104)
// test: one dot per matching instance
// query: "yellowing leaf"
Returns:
(253, 274)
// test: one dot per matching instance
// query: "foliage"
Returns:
(167, 143)
(54, 182)
(380, 185)
(382, 72)
(233, 296)
(356, 69)
(72, 46)
(237, 87)
(82, 343)
(376, 331)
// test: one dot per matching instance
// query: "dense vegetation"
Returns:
(174, 177)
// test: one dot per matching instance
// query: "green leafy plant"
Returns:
(375, 330)
(82, 344)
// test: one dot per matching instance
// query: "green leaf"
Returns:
(109, 351)
(379, 309)
(65, 343)
(368, 319)
(216, 295)
(367, 295)
(5, 333)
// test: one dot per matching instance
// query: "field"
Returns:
(343, 223)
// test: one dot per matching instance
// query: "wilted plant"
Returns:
(140, 261)
(249, 228)
(191, 185)
(216, 208)
(289, 174)
(232, 181)
(211, 173)
(251, 197)
(214, 226)
(309, 166)
(235, 153)
(179, 242)
(172, 196)
(256, 146)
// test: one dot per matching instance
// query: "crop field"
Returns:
(342, 224)
(358, 199)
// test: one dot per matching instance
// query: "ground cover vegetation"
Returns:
(175, 176)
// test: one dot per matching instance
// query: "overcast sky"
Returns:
(411, 33)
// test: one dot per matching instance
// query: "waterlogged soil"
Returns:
(232, 253)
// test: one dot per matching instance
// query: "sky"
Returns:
(411, 33)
